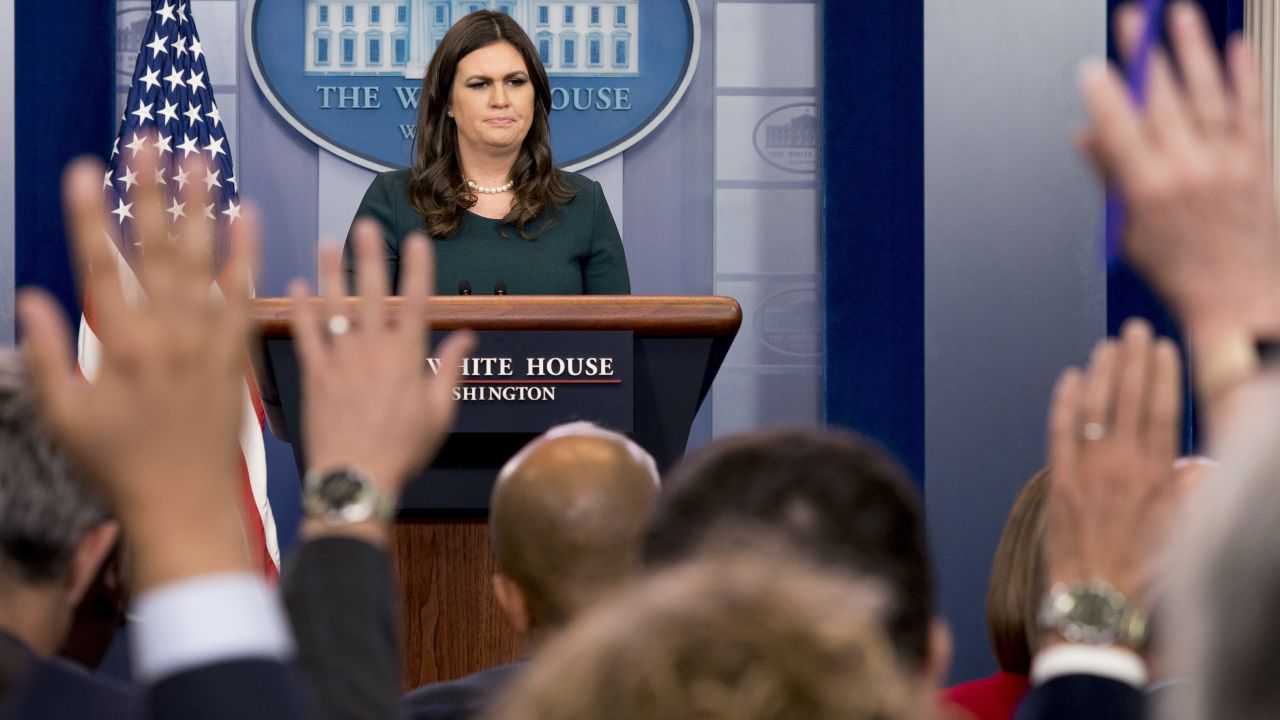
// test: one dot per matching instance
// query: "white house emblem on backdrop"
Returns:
(377, 37)
(347, 73)
(787, 138)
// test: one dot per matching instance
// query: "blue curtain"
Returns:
(873, 223)
(64, 73)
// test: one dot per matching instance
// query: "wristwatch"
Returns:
(345, 495)
(1092, 613)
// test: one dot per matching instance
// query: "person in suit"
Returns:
(482, 186)
(566, 520)
(56, 534)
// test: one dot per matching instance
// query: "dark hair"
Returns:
(1017, 579)
(45, 510)
(839, 497)
(437, 190)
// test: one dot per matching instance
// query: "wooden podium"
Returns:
(451, 625)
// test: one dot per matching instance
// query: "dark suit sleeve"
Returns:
(1071, 697)
(606, 269)
(338, 592)
(239, 690)
(379, 203)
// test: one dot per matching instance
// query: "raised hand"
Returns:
(157, 429)
(1113, 441)
(370, 401)
(1194, 169)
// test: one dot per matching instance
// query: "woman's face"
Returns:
(492, 99)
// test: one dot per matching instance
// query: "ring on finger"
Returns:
(1093, 431)
(338, 325)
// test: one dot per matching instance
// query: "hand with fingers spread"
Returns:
(158, 427)
(1113, 440)
(370, 402)
(1193, 167)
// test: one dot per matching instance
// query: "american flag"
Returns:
(171, 107)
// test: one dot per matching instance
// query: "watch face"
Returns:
(340, 489)
(1093, 613)
(1097, 611)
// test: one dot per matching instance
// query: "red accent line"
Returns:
(541, 382)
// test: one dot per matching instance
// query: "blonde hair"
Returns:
(758, 636)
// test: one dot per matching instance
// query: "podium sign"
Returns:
(528, 381)
(638, 365)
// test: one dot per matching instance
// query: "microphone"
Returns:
(500, 288)
(464, 287)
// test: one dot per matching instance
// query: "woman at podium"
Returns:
(502, 217)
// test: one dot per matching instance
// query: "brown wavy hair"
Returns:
(437, 189)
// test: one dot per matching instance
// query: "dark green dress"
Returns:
(576, 251)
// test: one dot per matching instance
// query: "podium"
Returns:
(676, 345)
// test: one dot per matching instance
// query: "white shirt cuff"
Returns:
(1110, 662)
(204, 621)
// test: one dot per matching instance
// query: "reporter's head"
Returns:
(836, 495)
(567, 518)
(748, 635)
(54, 531)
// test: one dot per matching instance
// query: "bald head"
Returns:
(567, 517)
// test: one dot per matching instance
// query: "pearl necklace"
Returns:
(476, 187)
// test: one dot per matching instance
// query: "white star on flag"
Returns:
(158, 47)
(180, 46)
(174, 78)
(193, 114)
(163, 144)
(214, 114)
(138, 143)
(122, 211)
(177, 210)
(208, 212)
(152, 78)
(182, 12)
(214, 148)
(166, 12)
(160, 176)
(211, 180)
(189, 147)
(180, 177)
(196, 49)
(129, 178)
(169, 112)
(232, 179)
(196, 80)
(143, 112)
(232, 211)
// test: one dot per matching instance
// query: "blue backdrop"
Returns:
(64, 107)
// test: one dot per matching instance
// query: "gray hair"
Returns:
(1225, 608)
(45, 510)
